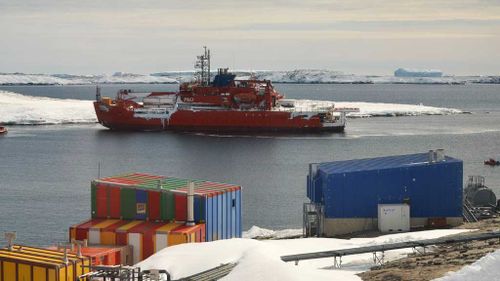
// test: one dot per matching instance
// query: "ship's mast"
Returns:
(203, 68)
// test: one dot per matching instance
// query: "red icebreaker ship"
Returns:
(224, 104)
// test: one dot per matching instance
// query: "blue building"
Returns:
(347, 193)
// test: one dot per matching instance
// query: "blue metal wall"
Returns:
(354, 188)
(222, 214)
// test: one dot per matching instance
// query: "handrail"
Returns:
(392, 246)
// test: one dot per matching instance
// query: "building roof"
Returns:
(163, 183)
(379, 163)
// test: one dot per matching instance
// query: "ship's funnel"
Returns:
(190, 204)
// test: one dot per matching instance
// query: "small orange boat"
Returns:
(3, 130)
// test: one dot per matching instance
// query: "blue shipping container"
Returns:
(239, 225)
(141, 200)
(209, 220)
(354, 188)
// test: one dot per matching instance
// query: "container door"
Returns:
(148, 247)
(154, 203)
(233, 214)
(94, 236)
(224, 215)
(39, 273)
(167, 209)
(220, 229)
(199, 208)
(81, 233)
(108, 237)
(135, 240)
(209, 218)
(121, 238)
(127, 203)
(161, 241)
(9, 270)
(114, 202)
(180, 207)
(141, 204)
(23, 272)
(101, 202)
(238, 213)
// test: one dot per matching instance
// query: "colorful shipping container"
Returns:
(29, 263)
(145, 237)
(138, 196)
(104, 255)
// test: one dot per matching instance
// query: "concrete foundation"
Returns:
(336, 227)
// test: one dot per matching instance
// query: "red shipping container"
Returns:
(154, 205)
(180, 207)
(114, 202)
(101, 201)
(81, 231)
(147, 229)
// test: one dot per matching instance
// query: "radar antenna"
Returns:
(202, 67)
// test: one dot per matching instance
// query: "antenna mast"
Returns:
(203, 68)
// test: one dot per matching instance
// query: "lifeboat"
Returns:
(3, 130)
(491, 162)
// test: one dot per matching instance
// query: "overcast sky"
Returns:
(355, 36)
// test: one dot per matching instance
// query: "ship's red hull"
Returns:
(119, 118)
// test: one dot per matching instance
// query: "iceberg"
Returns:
(407, 72)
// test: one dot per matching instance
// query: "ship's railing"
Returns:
(153, 110)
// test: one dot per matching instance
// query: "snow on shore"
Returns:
(300, 76)
(260, 260)
(17, 109)
(371, 109)
(263, 233)
(68, 79)
(485, 269)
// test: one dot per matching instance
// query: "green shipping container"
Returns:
(127, 203)
(167, 206)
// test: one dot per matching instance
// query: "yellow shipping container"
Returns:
(24, 263)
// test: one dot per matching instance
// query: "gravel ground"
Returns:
(438, 260)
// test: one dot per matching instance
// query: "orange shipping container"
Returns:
(104, 255)
(145, 238)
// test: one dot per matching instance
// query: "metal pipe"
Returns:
(190, 204)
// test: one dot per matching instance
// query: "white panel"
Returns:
(134, 240)
(393, 217)
(161, 241)
(94, 236)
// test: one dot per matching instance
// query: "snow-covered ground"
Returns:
(373, 109)
(307, 76)
(260, 259)
(68, 79)
(263, 233)
(17, 109)
(28, 110)
(485, 269)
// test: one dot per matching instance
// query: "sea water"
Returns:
(45, 170)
